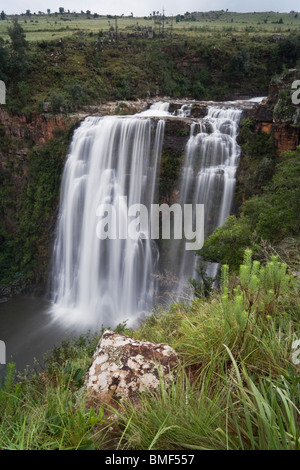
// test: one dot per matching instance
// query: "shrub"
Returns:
(218, 247)
(58, 103)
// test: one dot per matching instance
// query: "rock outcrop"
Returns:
(279, 115)
(36, 127)
(124, 367)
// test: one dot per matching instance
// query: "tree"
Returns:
(61, 10)
(239, 63)
(17, 37)
(48, 11)
(2, 15)
(235, 232)
(58, 103)
(77, 94)
(3, 60)
(18, 63)
(116, 27)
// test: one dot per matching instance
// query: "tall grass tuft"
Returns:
(230, 411)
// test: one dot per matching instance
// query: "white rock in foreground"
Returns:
(123, 367)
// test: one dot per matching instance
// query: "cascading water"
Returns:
(106, 281)
(207, 177)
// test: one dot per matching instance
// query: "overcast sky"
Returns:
(144, 7)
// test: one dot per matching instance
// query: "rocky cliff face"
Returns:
(286, 138)
(278, 114)
(24, 165)
(38, 127)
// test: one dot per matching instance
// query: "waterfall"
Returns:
(208, 177)
(116, 161)
(106, 281)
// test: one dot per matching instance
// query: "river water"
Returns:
(29, 331)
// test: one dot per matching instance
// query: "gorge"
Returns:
(104, 162)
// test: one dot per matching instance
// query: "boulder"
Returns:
(124, 367)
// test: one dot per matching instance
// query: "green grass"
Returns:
(236, 388)
(236, 413)
(49, 411)
(46, 27)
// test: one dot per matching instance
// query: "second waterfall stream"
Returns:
(115, 161)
